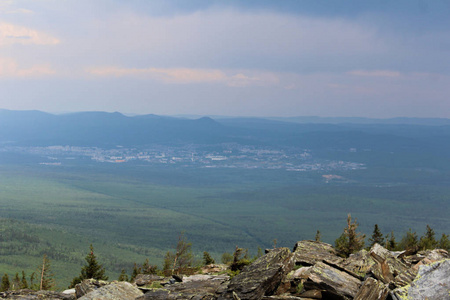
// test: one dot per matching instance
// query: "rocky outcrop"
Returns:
(432, 282)
(312, 271)
(114, 291)
(261, 277)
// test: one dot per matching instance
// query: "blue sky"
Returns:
(250, 58)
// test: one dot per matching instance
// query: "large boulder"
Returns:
(432, 282)
(88, 285)
(114, 291)
(193, 287)
(262, 277)
(307, 253)
(333, 282)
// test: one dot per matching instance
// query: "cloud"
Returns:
(377, 73)
(187, 75)
(10, 69)
(12, 34)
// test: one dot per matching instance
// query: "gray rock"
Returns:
(432, 282)
(87, 286)
(146, 279)
(262, 277)
(332, 281)
(114, 291)
(310, 252)
(358, 264)
(372, 289)
(193, 288)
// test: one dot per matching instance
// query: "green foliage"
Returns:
(5, 283)
(23, 282)
(156, 285)
(444, 242)
(391, 244)
(350, 241)
(428, 241)
(259, 253)
(227, 258)
(207, 259)
(299, 288)
(240, 259)
(47, 281)
(377, 237)
(409, 240)
(92, 269)
(123, 276)
(181, 259)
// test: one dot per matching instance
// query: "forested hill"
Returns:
(35, 128)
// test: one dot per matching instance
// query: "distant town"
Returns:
(201, 156)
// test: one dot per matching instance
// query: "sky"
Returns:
(378, 59)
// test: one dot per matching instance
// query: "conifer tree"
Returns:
(350, 241)
(377, 236)
(181, 259)
(135, 272)
(16, 282)
(91, 270)
(123, 276)
(32, 278)
(428, 241)
(23, 283)
(409, 241)
(5, 283)
(207, 259)
(391, 244)
(444, 242)
(318, 236)
(47, 282)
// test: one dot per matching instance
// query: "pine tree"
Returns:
(391, 244)
(23, 283)
(444, 242)
(428, 241)
(318, 236)
(91, 270)
(409, 241)
(123, 276)
(16, 282)
(135, 272)
(377, 236)
(47, 282)
(32, 278)
(181, 259)
(207, 259)
(350, 241)
(5, 283)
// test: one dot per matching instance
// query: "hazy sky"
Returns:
(255, 58)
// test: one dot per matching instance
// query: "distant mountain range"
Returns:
(102, 129)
